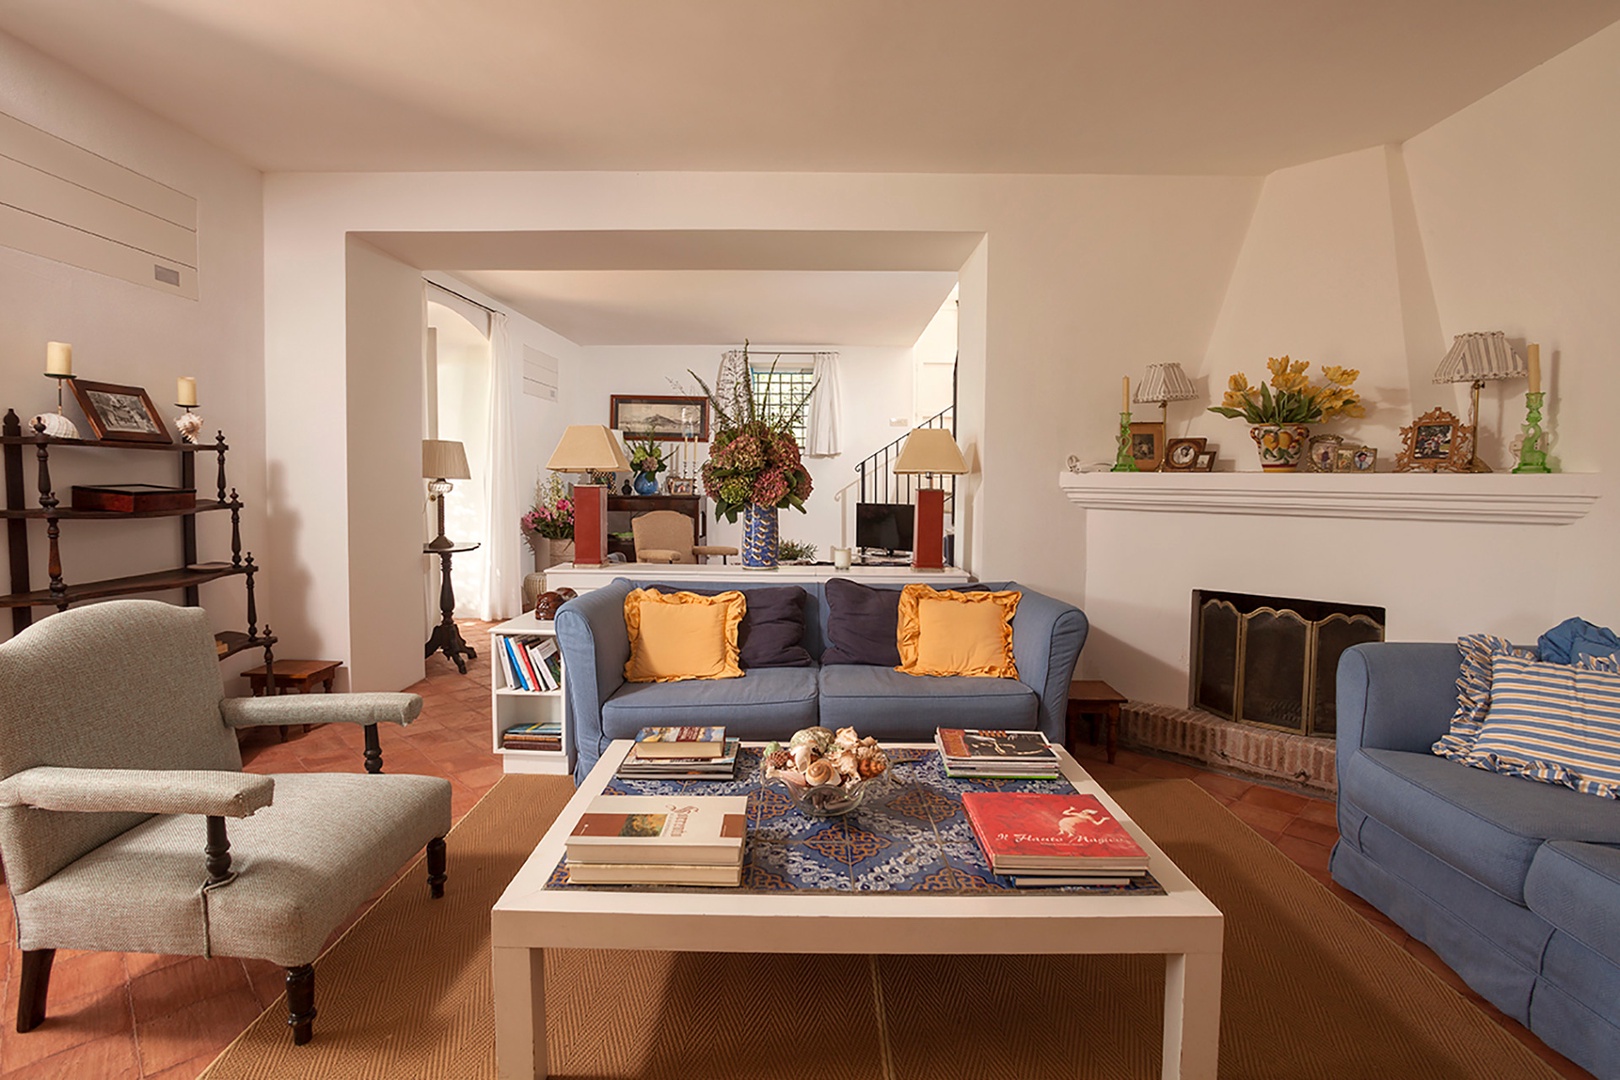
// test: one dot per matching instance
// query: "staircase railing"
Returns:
(877, 478)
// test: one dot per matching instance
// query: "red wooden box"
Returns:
(133, 498)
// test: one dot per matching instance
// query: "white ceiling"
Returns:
(1015, 86)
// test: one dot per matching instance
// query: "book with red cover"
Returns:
(1025, 830)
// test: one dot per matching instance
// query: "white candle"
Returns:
(58, 358)
(1535, 368)
(1125, 394)
(185, 391)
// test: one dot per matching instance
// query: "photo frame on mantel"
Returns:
(119, 413)
(1147, 445)
(1436, 442)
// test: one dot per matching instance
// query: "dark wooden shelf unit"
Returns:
(622, 509)
(188, 576)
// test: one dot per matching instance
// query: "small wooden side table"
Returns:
(446, 636)
(300, 675)
(1091, 698)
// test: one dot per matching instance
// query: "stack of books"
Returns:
(659, 840)
(988, 752)
(529, 663)
(681, 753)
(546, 736)
(1041, 839)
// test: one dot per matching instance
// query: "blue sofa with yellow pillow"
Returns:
(1515, 883)
(821, 653)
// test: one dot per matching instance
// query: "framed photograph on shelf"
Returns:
(1181, 455)
(1204, 461)
(1436, 442)
(1321, 453)
(1356, 459)
(680, 485)
(1147, 446)
(665, 417)
(119, 413)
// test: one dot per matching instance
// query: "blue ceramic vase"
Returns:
(760, 536)
(645, 483)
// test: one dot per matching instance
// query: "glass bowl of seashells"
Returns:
(826, 773)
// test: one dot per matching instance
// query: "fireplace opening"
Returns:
(1273, 661)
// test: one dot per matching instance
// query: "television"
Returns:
(884, 526)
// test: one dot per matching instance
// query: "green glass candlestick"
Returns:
(1532, 458)
(1123, 461)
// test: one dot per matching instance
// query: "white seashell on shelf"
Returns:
(56, 425)
(188, 424)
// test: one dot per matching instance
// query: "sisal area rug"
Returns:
(1310, 989)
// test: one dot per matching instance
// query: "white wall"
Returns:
(1511, 225)
(124, 333)
(1078, 280)
(875, 383)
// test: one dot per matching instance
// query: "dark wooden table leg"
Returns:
(446, 637)
(1113, 730)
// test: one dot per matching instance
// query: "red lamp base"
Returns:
(590, 524)
(928, 530)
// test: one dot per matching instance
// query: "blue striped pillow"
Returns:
(1556, 723)
(1478, 651)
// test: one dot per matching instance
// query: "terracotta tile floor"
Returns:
(116, 1015)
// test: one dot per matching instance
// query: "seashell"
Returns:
(792, 776)
(820, 772)
(869, 741)
(803, 755)
(846, 737)
(847, 763)
(778, 759)
(823, 737)
(803, 737)
(875, 765)
(188, 424)
(56, 425)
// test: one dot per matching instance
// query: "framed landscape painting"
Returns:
(666, 417)
(119, 413)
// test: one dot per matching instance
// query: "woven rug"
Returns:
(1310, 989)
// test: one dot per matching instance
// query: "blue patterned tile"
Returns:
(901, 870)
(801, 866)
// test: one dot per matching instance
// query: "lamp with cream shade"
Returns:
(588, 448)
(443, 460)
(1164, 383)
(928, 451)
(1475, 358)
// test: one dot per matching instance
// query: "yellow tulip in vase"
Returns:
(1279, 412)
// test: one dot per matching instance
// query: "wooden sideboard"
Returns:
(622, 508)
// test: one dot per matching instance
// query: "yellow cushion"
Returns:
(682, 635)
(957, 633)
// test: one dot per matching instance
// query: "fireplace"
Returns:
(1273, 661)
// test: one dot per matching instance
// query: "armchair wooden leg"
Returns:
(301, 1003)
(373, 750)
(435, 866)
(36, 979)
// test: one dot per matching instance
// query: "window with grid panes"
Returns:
(779, 387)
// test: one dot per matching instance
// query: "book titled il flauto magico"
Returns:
(1024, 830)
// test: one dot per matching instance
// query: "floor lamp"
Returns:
(588, 448)
(928, 451)
(1474, 358)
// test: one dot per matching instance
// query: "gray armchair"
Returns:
(118, 771)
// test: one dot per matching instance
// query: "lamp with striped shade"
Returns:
(1475, 358)
(1162, 383)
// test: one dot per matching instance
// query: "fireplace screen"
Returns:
(1272, 660)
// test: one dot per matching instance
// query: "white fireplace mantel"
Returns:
(1486, 498)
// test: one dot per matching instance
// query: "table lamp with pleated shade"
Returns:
(928, 451)
(1477, 358)
(1162, 383)
(443, 460)
(589, 448)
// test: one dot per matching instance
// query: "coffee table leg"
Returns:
(1192, 1016)
(520, 1013)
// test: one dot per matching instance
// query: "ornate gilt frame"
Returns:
(1424, 449)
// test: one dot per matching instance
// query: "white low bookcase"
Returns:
(510, 705)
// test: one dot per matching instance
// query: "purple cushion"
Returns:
(863, 624)
(772, 630)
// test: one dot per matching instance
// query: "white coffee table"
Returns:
(1182, 925)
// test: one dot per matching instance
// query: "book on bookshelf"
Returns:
(723, 767)
(537, 662)
(1024, 831)
(990, 752)
(689, 830)
(679, 742)
(644, 874)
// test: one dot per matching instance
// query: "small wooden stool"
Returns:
(294, 674)
(1090, 698)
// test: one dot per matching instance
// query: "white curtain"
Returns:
(730, 383)
(824, 418)
(500, 593)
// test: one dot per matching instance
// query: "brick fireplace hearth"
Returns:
(1206, 739)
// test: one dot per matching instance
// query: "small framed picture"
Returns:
(119, 413)
(1356, 459)
(1147, 446)
(679, 485)
(1321, 453)
(1204, 461)
(1436, 442)
(1180, 455)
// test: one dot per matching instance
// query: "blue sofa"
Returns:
(1514, 883)
(772, 703)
